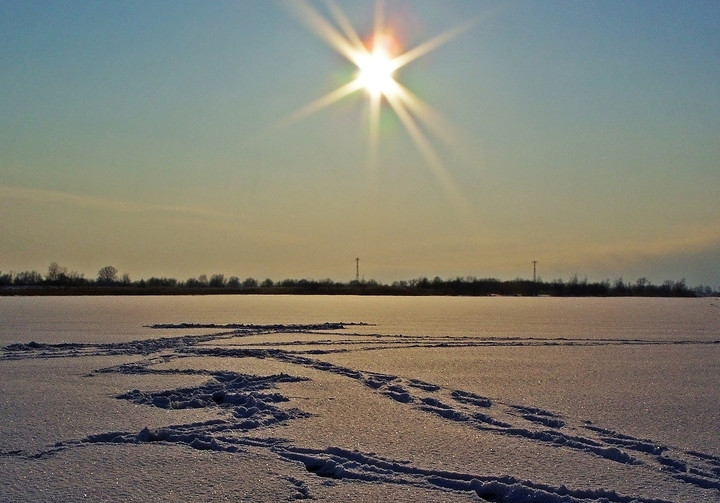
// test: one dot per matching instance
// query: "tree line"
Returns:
(60, 280)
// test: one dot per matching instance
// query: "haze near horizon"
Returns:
(233, 137)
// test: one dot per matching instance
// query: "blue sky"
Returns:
(151, 136)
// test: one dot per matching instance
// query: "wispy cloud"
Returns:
(499, 254)
(634, 253)
(236, 228)
(115, 205)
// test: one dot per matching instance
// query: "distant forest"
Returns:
(60, 281)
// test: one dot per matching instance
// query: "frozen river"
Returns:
(275, 398)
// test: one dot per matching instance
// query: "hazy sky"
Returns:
(154, 136)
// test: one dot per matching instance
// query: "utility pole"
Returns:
(534, 271)
(357, 270)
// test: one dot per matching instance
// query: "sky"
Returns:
(184, 138)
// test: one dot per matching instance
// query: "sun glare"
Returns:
(376, 71)
(377, 62)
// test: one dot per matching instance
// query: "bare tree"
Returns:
(56, 272)
(217, 280)
(250, 283)
(28, 278)
(107, 275)
(6, 279)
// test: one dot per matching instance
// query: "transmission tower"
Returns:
(357, 270)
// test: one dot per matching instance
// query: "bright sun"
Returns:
(376, 71)
(377, 59)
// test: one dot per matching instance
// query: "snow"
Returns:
(236, 411)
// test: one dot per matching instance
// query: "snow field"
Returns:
(272, 413)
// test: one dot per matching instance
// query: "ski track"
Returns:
(247, 403)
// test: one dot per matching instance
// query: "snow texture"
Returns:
(249, 410)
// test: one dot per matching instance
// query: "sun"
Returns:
(377, 61)
(376, 71)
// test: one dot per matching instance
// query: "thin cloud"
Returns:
(631, 253)
(84, 201)
(260, 233)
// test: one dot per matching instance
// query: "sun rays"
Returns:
(377, 60)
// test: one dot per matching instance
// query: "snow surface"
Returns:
(340, 412)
